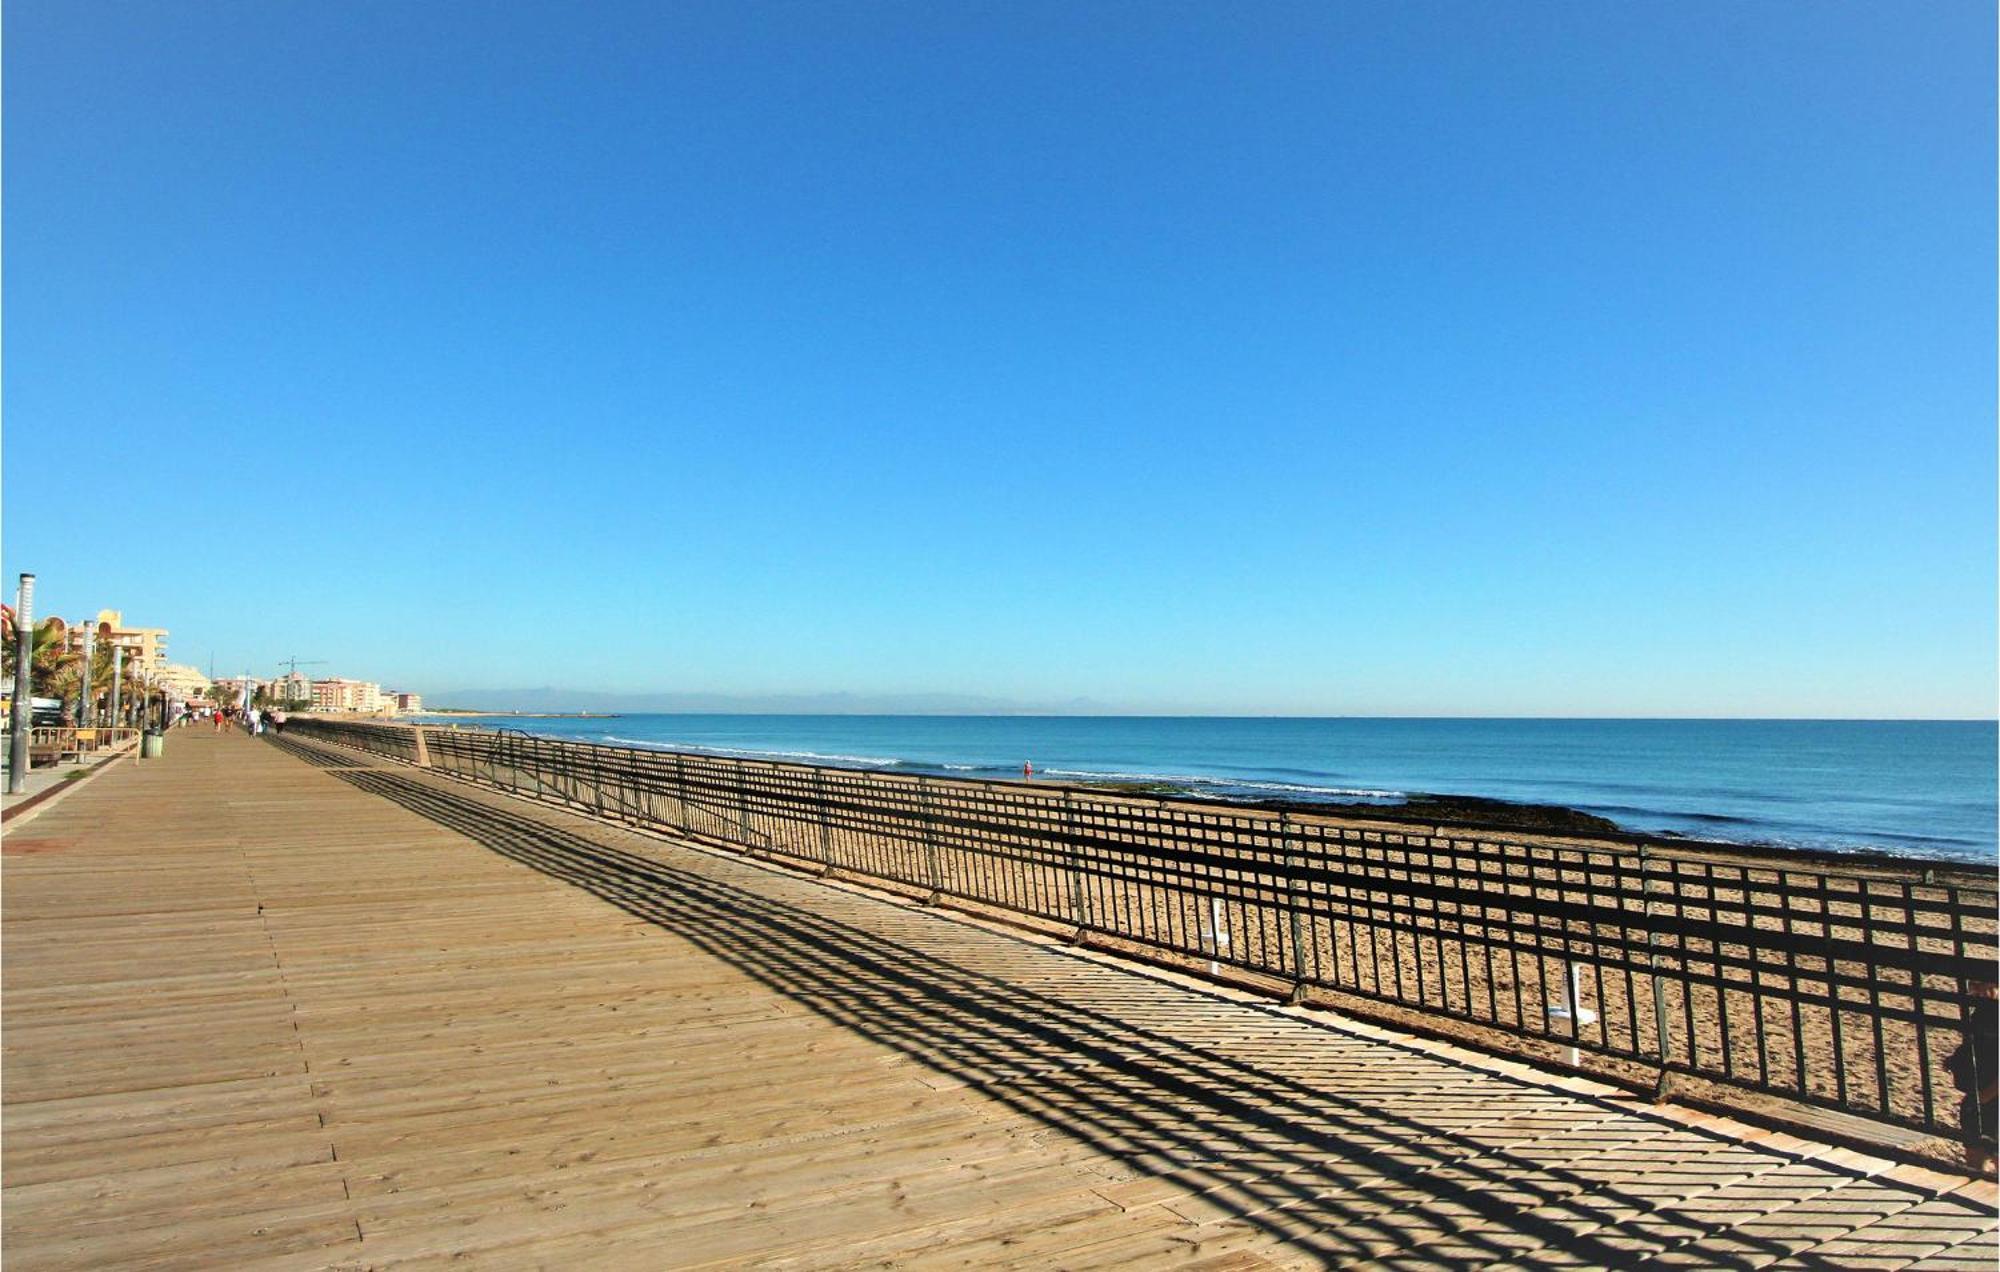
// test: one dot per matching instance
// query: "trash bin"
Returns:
(152, 745)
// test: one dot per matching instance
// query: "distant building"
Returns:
(145, 647)
(338, 694)
(296, 687)
(183, 682)
(246, 689)
(409, 703)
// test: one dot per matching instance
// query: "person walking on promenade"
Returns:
(218, 719)
(1973, 1068)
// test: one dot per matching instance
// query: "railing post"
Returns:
(1079, 892)
(423, 751)
(639, 813)
(930, 841)
(825, 819)
(681, 791)
(742, 806)
(1662, 1084)
(1292, 866)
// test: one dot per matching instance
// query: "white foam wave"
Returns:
(1193, 781)
(641, 743)
(1211, 782)
(877, 761)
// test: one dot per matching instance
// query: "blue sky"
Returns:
(1295, 358)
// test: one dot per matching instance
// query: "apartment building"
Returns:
(295, 687)
(145, 647)
(338, 694)
(183, 682)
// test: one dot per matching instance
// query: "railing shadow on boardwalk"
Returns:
(1330, 1174)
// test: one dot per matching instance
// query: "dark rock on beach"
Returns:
(1462, 810)
(1430, 810)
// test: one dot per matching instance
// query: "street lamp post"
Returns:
(24, 703)
(117, 679)
(83, 694)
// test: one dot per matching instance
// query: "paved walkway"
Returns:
(48, 777)
(271, 1008)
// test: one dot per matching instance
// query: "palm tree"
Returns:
(52, 664)
(56, 667)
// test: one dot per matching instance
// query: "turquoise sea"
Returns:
(1922, 788)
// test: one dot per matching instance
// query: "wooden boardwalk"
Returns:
(272, 1007)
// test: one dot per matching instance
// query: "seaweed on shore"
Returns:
(1165, 790)
(1471, 810)
(1427, 809)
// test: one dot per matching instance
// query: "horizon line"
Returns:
(1031, 713)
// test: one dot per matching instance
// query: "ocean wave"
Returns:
(642, 744)
(1615, 811)
(1203, 782)
(753, 753)
(1869, 843)
(1777, 833)
(1862, 823)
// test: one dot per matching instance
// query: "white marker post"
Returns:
(1573, 1010)
(1218, 936)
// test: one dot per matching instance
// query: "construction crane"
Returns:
(293, 663)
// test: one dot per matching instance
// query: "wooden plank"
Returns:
(264, 1011)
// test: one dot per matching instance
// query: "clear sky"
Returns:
(1298, 358)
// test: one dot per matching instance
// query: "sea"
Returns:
(1915, 788)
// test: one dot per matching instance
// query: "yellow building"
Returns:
(145, 647)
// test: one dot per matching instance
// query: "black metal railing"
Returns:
(1841, 988)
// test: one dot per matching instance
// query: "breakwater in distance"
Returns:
(1914, 788)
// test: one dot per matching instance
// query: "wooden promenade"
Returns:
(301, 1008)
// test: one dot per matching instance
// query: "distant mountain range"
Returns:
(564, 700)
